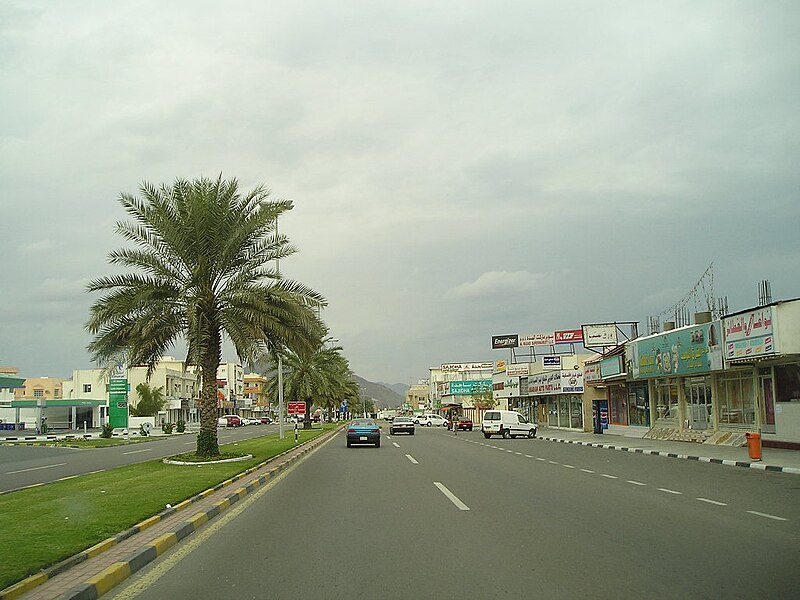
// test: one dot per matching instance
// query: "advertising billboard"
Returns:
(569, 336)
(749, 334)
(469, 387)
(505, 341)
(538, 339)
(603, 334)
(516, 370)
(687, 351)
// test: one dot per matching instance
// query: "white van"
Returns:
(507, 423)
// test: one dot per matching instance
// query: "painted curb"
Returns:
(717, 461)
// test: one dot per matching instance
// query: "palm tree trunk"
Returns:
(207, 444)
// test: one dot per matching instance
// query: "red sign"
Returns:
(296, 408)
(569, 336)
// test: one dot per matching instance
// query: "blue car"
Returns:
(364, 431)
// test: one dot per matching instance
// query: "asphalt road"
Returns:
(441, 516)
(22, 466)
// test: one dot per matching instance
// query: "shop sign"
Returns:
(603, 334)
(452, 367)
(515, 370)
(749, 334)
(572, 381)
(687, 351)
(469, 387)
(523, 386)
(499, 366)
(537, 339)
(569, 336)
(544, 383)
(611, 367)
(551, 363)
(591, 373)
(505, 341)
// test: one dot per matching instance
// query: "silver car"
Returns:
(402, 425)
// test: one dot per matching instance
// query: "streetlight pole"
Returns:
(281, 433)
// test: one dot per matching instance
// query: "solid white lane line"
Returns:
(714, 502)
(451, 496)
(635, 482)
(395, 444)
(670, 491)
(766, 516)
(609, 476)
(65, 478)
(35, 469)
(411, 458)
(138, 451)
(587, 471)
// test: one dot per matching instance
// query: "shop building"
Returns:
(457, 388)
(759, 390)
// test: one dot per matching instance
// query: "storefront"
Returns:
(760, 387)
(624, 406)
(560, 396)
(678, 367)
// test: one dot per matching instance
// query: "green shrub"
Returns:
(181, 427)
(168, 427)
(107, 432)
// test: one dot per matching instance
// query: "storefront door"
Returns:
(698, 397)
(768, 399)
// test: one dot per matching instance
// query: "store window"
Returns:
(787, 383)
(38, 393)
(87, 388)
(638, 406)
(563, 412)
(737, 398)
(618, 405)
(552, 412)
(666, 399)
(575, 412)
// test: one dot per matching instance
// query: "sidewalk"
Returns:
(95, 571)
(772, 459)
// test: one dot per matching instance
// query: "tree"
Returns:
(319, 376)
(151, 400)
(203, 250)
(483, 398)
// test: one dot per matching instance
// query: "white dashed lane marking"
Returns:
(714, 502)
(766, 516)
(35, 468)
(608, 476)
(451, 496)
(395, 444)
(635, 482)
(411, 458)
(670, 491)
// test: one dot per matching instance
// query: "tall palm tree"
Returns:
(317, 377)
(203, 251)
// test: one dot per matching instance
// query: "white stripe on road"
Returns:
(552, 462)
(714, 502)
(635, 482)
(138, 451)
(568, 466)
(765, 515)
(411, 458)
(528, 456)
(189, 443)
(451, 496)
(541, 459)
(395, 444)
(670, 491)
(35, 468)
(609, 476)
(587, 471)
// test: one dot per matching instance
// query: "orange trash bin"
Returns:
(753, 445)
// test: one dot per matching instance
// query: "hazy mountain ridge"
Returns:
(384, 396)
(398, 388)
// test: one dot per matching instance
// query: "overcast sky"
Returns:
(459, 169)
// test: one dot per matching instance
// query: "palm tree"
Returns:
(151, 400)
(318, 377)
(204, 250)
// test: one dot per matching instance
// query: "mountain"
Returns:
(399, 388)
(383, 396)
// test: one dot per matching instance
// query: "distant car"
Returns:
(265, 420)
(402, 424)
(463, 423)
(363, 431)
(429, 420)
(254, 421)
(230, 421)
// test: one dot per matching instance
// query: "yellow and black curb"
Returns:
(113, 575)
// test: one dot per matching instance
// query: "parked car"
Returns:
(463, 423)
(230, 421)
(265, 420)
(507, 423)
(363, 431)
(430, 419)
(253, 421)
(402, 424)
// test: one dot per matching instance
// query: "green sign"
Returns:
(118, 402)
(469, 387)
(687, 351)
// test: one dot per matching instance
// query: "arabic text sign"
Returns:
(749, 334)
(470, 386)
(686, 351)
(604, 334)
(538, 339)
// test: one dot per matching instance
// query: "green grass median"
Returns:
(46, 524)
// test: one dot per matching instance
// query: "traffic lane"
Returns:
(35, 465)
(346, 523)
(776, 494)
(592, 519)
